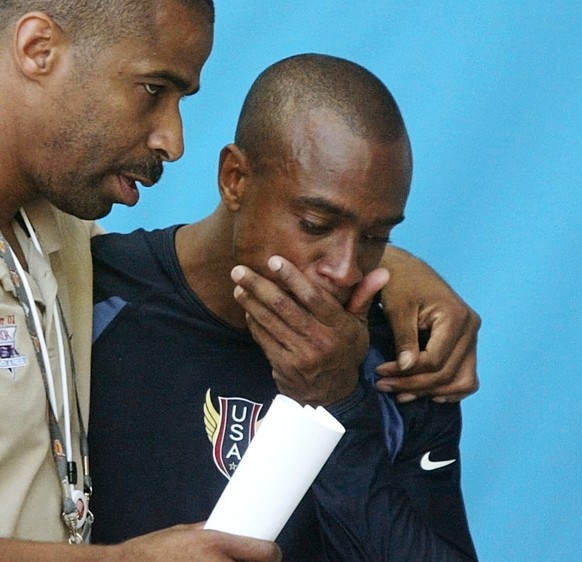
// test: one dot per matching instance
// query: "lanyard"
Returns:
(75, 505)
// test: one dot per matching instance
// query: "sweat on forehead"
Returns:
(291, 88)
(97, 20)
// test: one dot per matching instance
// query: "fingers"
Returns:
(274, 296)
(418, 298)
(446, 337)
(317, 301)
(246, 548)
(456, 380)
(446, 368)
(404, 323)
(314, 299)
(312, 342)
(268, 305)
(464, 382)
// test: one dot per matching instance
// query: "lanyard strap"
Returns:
(65, 472)
(83, 441)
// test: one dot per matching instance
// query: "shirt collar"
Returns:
(43, 218)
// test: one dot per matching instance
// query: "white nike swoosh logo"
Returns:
(427, 464)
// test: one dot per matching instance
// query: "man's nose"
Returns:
(341, 264)
(167, 138)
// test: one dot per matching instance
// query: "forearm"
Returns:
(181, 543)
(16, 551)
(364, 509)
(400, 261)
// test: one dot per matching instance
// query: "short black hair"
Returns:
(96, 22)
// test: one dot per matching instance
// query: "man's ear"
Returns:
(37, 42)
(233, 172)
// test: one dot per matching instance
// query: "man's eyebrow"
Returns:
(328, 207)
(392, 221)
(181, 84)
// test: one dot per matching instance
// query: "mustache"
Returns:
(149, 170)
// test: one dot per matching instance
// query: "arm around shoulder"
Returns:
(417, 298)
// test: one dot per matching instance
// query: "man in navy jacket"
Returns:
(184, 366)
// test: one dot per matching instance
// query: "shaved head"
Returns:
(290, 89)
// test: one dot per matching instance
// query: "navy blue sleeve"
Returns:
(131, 265)
(371, 509)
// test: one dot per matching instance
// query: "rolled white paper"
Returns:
(289, 449)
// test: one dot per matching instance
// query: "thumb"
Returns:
(366, 290)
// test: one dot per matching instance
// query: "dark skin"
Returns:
(446, 369)
(43, 60)
(182, 543)
(122, 118)
(265, 299)
(326, 209)
(132, 97)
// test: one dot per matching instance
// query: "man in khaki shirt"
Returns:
(90, 106)
(29, 489)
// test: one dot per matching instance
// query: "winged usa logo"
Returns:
(230, 429)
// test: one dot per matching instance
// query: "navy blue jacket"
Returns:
(176, 395)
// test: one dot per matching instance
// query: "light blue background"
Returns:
(492, 95)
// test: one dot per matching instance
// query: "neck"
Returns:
(22, 149)
(204, 252)
(13, 197)
(11, 204)
(15, 190)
